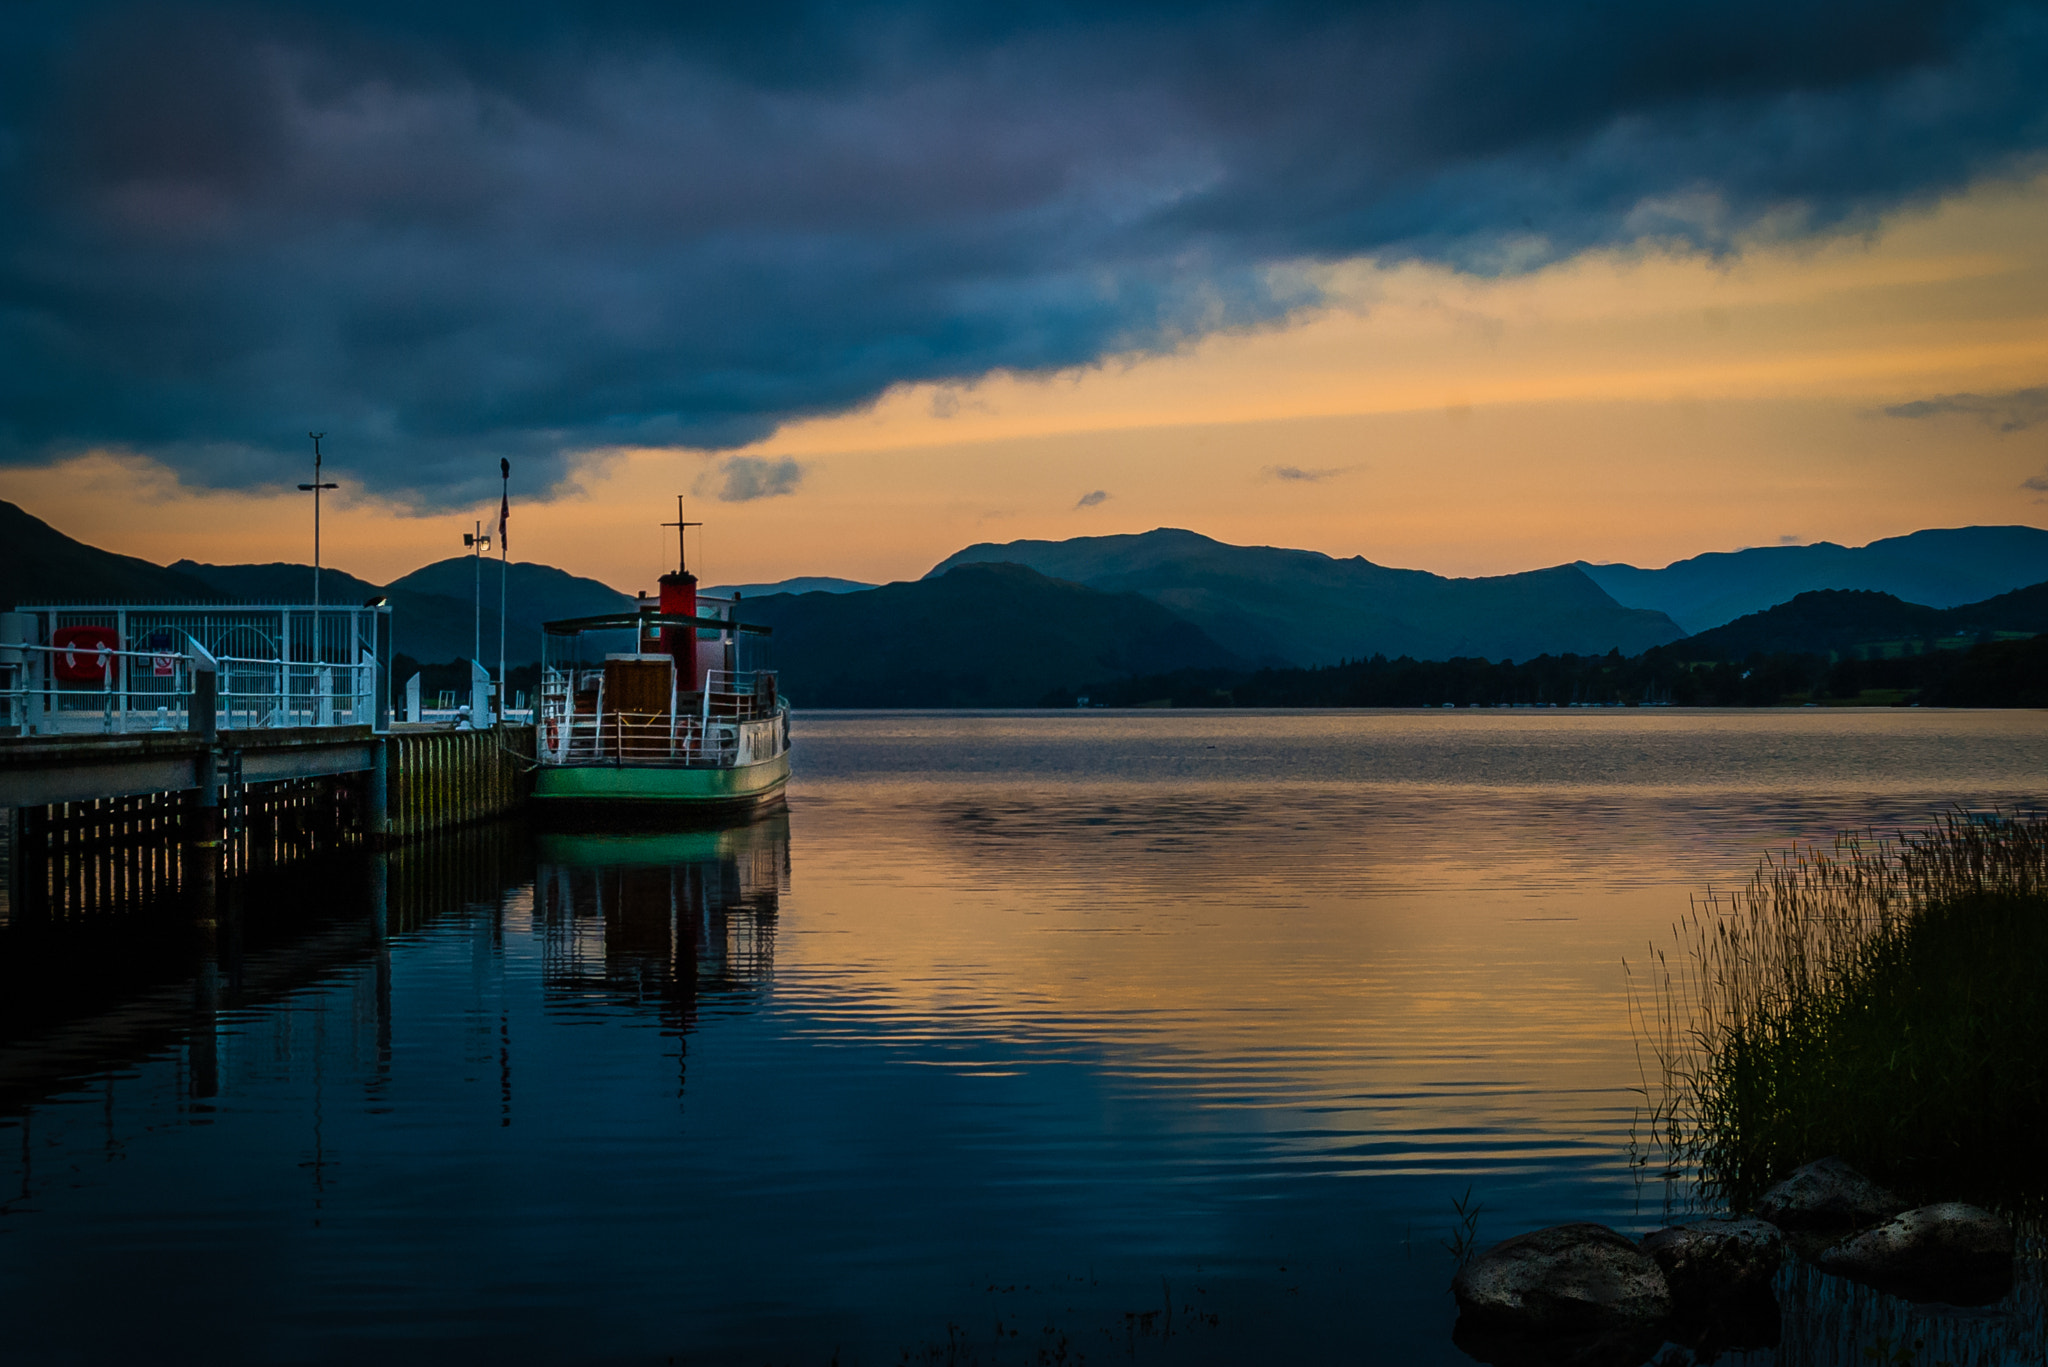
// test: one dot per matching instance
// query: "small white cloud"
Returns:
(742, 479)
(2015, 410)
(1296, 474)
(1093, 497)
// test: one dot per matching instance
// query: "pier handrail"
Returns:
(120, 700)
(79, 667)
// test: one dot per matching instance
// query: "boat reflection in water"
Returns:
(660, 920)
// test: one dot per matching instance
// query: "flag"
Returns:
(504, 502)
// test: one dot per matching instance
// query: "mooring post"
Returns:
(17, 820)
(377, 800)
(203, 840)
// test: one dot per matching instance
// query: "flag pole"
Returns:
(504, 518)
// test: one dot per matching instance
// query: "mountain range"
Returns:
(995, 635)
(1289, 607)
(1006, 624)
(1941, 568)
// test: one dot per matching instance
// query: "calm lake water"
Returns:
(1019, 1037)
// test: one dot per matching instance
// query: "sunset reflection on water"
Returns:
(1034, 1020)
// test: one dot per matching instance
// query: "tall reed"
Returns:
(1882, 999)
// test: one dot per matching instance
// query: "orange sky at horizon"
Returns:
(1641, 405)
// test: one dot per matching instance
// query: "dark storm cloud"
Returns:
(2013, 411)
(445, 233)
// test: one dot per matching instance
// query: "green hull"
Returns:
(650, 785)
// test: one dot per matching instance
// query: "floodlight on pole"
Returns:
(478, 542)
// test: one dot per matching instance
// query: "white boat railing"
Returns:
(735, 719)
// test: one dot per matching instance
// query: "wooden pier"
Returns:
(148, 750)
(96, 823)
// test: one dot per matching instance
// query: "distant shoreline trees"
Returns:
(1988, 674)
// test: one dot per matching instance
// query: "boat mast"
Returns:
(679, 599)
(682, 544)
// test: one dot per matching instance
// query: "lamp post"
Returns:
(316, 486)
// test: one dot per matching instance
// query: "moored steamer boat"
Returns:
(673, 726)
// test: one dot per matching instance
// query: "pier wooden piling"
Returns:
(441, 779)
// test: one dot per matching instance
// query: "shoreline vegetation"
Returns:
(1873, 1010)
(1885, 1000)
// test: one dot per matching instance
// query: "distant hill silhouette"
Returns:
(1858, 621)
(809, 583)
(1940, 568)
(2021, 610)
(429, 622)
(427, 627)
(1279, 606)
(39, 564)
(1820, 622)
(977, 636)
(534, 593)
(278, 582)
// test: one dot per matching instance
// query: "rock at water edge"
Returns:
(1718, 1257)
(1579, 1294)
(1825, 1195)
(1720, 1270)
(1948, 1252)
(1567, 1277)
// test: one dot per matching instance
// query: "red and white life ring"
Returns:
(84, 654)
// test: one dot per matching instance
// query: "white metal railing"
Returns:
(335, 635)
(118, 670)
(734, 719)
(278, 693)
(125, 699)
(454, 716)
(249, 693)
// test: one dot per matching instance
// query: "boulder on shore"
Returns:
(1716, 1258)
(1827, 1194)
(1719, 1271)
(1948, 1252)
(1579, 1294)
